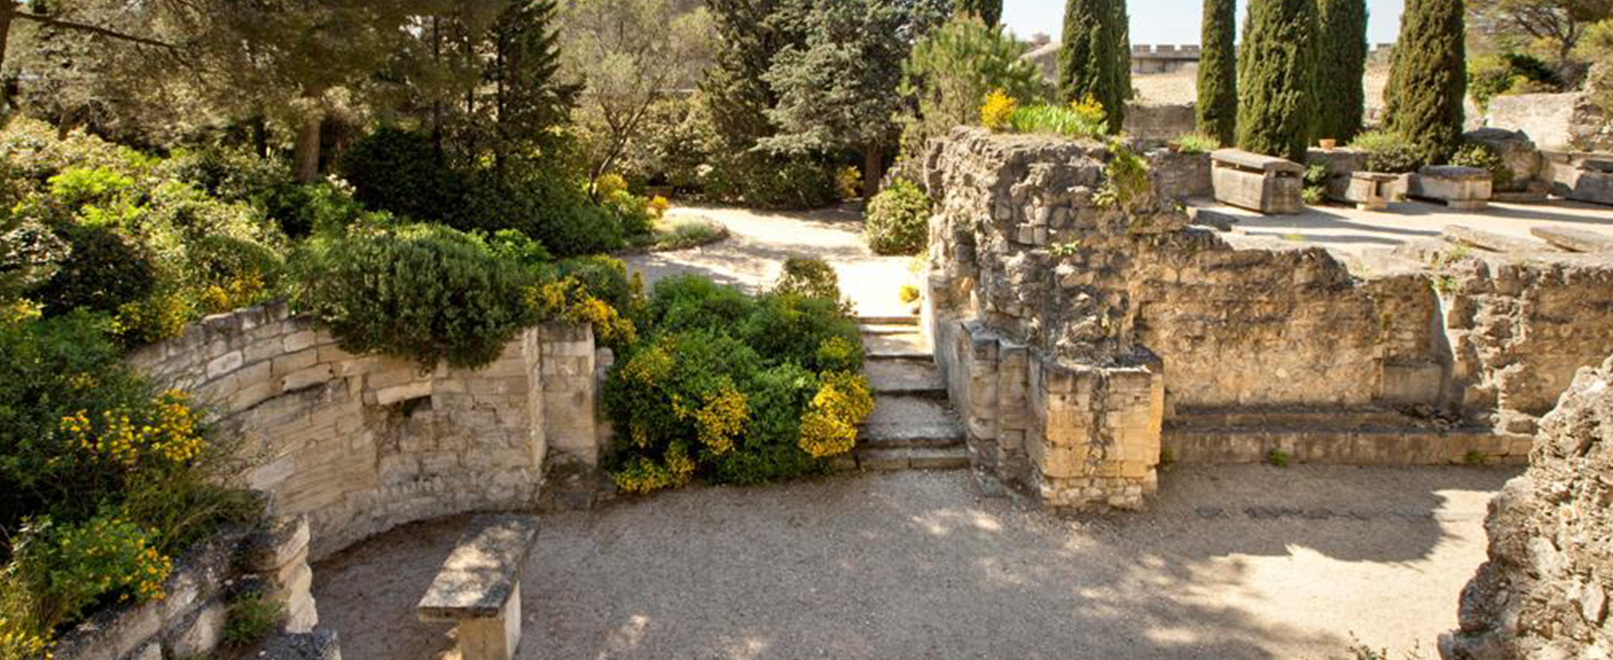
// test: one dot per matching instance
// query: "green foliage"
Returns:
(1089, 63)
(1340, 67)
(898, 220)
(81, 186)
(1315, 190)
(406, 174)
(987, 11)
(1081, 120)
(953, 69)
(1428, 79)
(1483, 157)
(1218, 72)
(426, 293)
(737, 389)
(251, 617)
(69, 568)
(106, 272)
(808, 277)
(1196, 143)
(1388, 152)
(1279, 458)
(1489, 76)
(1128, 186)
(1277, 103)
(772, 182)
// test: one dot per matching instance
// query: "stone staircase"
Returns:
(913, 426)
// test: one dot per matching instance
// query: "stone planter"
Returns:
(1460, 188)
(1259, 183)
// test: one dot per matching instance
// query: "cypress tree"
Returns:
(1428, 80)
(1123, 48)
(1218, 72)
(1276, 78)
(1087, 62)
(1341, 66)
(990, 11)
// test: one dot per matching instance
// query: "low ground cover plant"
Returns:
(733, 388)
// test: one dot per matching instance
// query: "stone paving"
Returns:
(1351, 233)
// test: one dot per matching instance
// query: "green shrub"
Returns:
(805, 276)
(106, 272)
(1483, 157)
(579, 230)
(735, 389)
(405, 173)
(1315, 191)
(1075, 121)
(898, 220)
(770, 182)
(1387, 152)
(251, 617)
(69, 568)
(79, 186)
(1196, 143)
(422, 292)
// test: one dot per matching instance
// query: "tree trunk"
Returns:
(873, 168)
(8, 10)
(305, 156)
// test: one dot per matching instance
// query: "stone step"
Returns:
(1405, 446)
(908, 346)
(890, 460)
(887, 436)
(908, 410)
(1323, 418)
(916, 377)
(905, 321)
(886, 329)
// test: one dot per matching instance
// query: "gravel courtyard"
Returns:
(1231, 562)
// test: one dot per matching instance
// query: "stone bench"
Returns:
(479, 587)
(1582, 177)
(1460, 188)
(1368, 191)
(1259, 183)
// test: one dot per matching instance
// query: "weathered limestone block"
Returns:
(1544, 593)
(1490, 241)
(1259, 183)
(1516, 151)
(479, 587)
(1575, 240)
(1369, 191)
(1462, 188)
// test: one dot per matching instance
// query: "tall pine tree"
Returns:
(1218, 72)
(1428, 80)
(1340, 68)
(1088, 65)
(1276, 78)
(990, 11)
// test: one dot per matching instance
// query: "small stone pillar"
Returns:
(1259, 183)
(1100, 434)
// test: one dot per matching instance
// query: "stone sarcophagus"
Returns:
(1368, 191)
(1461, 188)
(1259, 183)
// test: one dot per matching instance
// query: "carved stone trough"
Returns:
(1266, 184)
(1461, 188)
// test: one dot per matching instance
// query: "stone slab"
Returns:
(1491, 241)
(1574, 240)
(477, 579)
(1257, 162)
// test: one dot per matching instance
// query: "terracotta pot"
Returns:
(1328, 144)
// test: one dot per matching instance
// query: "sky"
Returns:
(1171, 21)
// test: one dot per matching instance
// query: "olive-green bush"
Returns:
(898, 220)
(1387, 152)
(424, 292)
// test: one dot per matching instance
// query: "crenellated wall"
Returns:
(360, 444)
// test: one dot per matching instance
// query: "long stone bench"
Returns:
(1259, 183)
(479, 587)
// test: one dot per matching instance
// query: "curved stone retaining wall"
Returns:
(360, 444)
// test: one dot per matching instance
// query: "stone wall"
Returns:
(1544, 591)
(360, 444)
(188, 622)
(1554, 121)
(1160, 122)
(1252, 345)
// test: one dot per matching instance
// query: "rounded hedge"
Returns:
(898, 220)
(424, 292)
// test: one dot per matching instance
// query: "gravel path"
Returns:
(760, 241)
(1232, 562)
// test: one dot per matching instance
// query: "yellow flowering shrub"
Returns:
(569, 299)
(238, 292)
(17, 312)
(643, 476)
(162, 316)
(67, 569)
(997, 111)
(1088, 110)
(840, 354)
(659, 206)
(830, 425)
(168, 434)
(721, 419)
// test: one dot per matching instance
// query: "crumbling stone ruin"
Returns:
(1086, 335)
(1544, 591)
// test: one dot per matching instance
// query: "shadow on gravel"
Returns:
(918, 566)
